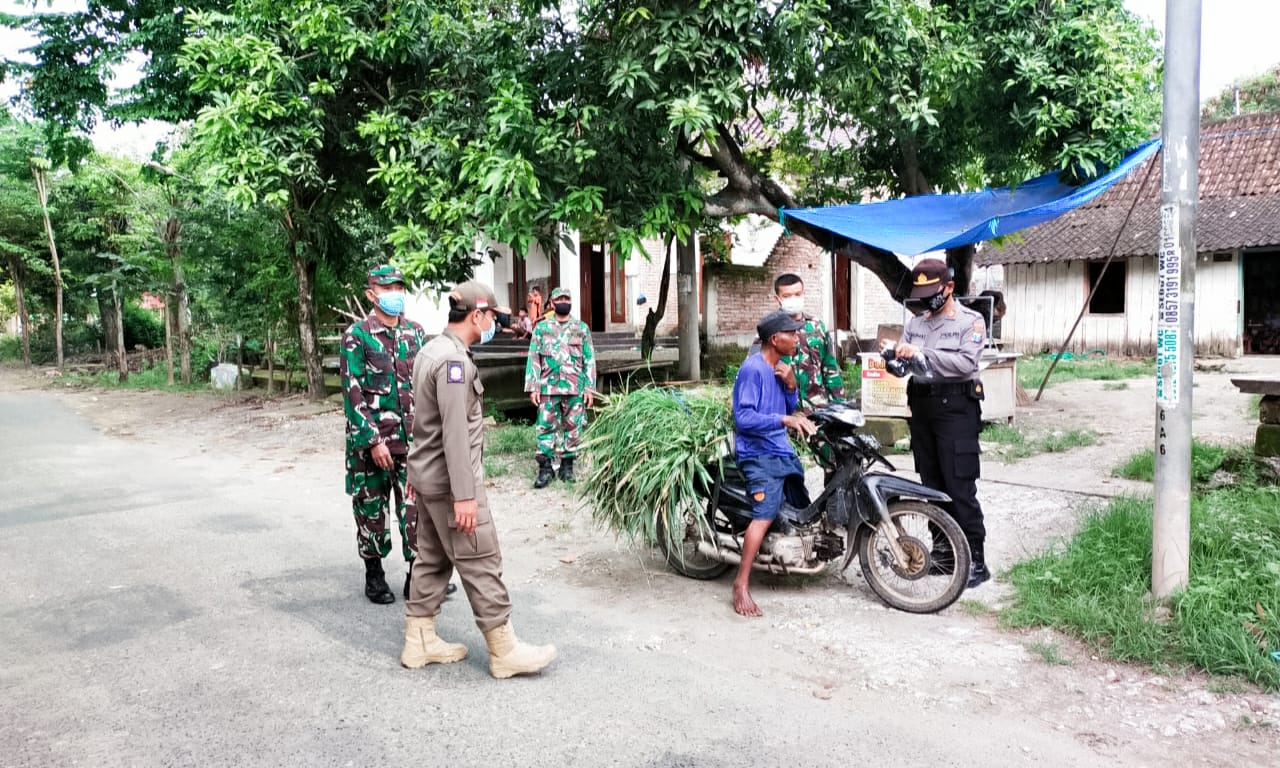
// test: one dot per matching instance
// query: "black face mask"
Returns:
(936, 301)
(562, 308)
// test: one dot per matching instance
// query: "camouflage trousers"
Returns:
(371, 489)
(560, 422)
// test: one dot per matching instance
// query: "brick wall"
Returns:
(648, 274)
(743, 298)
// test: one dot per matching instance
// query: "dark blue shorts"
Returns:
(772, 480)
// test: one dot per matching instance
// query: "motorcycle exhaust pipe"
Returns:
(763, 562)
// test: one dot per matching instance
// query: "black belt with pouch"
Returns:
(971, 389)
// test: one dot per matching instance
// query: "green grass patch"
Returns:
(511, 438)
(1227, 620)
(1049, 653)
(1014, 445)
(1115, 386)
(496, 467)
(1002, 433)
(1097, 366)
(1206, 459)
(148, 378)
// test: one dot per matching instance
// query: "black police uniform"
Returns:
(946, 413)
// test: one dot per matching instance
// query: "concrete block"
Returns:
(886, 429)
(224, 376)
(1267, 441)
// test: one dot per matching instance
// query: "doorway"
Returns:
(1261, 273)
(592, 302)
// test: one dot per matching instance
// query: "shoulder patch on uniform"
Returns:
(456, 372)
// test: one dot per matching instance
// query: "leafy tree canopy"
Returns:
(510, 119)
(1260, 93)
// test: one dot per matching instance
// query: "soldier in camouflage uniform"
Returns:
(818, 376)
(376, 366)
(560, 377)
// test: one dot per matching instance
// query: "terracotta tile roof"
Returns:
(1239, 202)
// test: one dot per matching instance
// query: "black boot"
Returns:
(375, 583)
(566, 469)
(978, 572)
(545, 474)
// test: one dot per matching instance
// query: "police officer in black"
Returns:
(942, 346)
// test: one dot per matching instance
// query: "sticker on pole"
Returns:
(1168, 307)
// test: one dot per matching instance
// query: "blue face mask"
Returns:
(391, 302)
(487, 334)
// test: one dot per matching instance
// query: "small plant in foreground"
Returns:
(1049, 653)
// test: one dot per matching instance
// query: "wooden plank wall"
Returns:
(1044, 299)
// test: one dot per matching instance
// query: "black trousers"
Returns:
(944, 441)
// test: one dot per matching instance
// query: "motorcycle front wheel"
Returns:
(935, 567)
(682, 555)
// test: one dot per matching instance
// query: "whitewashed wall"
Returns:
(1043, 301)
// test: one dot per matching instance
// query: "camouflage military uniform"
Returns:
(561, 368)
(377, 367)
(818, 378)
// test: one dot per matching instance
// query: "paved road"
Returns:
(162, 605)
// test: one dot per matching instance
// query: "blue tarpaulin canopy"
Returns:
(914, 225)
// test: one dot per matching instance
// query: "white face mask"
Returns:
(792, 305)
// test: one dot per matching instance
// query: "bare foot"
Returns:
(742, 602)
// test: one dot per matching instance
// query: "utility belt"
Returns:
(972, 389)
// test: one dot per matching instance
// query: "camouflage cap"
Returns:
(385, 275)
(561, 291)
(473, 295)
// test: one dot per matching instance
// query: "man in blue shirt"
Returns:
(764, 401)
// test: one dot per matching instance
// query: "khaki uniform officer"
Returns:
(943, 346)
(446, 475)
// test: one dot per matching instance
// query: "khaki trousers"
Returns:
(476, 556)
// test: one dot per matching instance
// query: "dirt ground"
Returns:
(843, 644)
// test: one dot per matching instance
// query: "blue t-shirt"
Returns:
(759, 402)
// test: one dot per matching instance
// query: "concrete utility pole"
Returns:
(1175, 300)
(690, 367)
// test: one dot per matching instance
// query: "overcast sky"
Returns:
(1238, 40)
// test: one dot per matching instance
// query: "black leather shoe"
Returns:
(449, 589)
(978, 574)
(375, 583)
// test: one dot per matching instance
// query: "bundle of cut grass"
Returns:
(648, 451)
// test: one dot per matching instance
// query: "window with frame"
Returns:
(1108, 299)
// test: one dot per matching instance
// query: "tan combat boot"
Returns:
(422, 646)
(509, 657)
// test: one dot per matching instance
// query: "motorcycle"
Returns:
(912, 553)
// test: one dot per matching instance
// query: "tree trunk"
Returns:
(168, 338)
(304, 271)
(120, 352)
(19, 298)
(239, 360)
(177, 303)
(110, 328)
(649, 339)
(42, 189)
(271, 364)
(961, 261)
(690, 366)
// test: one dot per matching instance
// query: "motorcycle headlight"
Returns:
(851, 416)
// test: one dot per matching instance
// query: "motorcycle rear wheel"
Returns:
(684, 558)
(917, 587)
